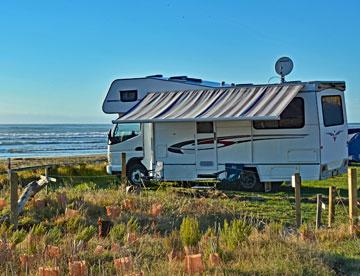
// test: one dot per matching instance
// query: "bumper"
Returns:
(110, 169)
(327, 173)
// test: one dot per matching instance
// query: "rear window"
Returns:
(332, 110)
(292, 117)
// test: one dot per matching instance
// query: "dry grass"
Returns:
(274, 246)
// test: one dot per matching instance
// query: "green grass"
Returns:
(273, 247)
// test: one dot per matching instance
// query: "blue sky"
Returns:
(58, 58)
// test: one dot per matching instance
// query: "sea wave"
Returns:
(52, 140)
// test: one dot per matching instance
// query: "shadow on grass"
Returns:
(307, 191)
(342, 265)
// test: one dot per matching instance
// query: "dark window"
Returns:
(292, 117)
(128, 95)
(332, 110)
(205, 127)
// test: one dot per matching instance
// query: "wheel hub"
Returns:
(248, 180)
(136, 176)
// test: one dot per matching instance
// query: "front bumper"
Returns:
(111, 169)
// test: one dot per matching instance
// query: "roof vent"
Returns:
(244, 84)
(178, 78)
(155, 76)
(194, 79)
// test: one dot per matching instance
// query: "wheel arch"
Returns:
(132, 161)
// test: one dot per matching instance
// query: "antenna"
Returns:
(283, 67)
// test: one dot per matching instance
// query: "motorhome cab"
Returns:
(183, 129)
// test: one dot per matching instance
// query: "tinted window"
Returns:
(128, 95)
(205, 127)
(292, 117)
(332, 110)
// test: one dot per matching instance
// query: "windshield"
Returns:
(123, 132)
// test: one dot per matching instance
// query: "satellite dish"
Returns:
(283, 67)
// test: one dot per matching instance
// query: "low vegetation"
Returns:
(151, 233)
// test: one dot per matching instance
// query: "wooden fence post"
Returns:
(318, 210)
(13, 181)
(331, 216)
(352, 182)
(296, 183)
(123, 167)
(46, 175)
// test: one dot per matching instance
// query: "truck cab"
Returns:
(127, 138)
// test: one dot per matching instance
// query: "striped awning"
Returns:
(264, 102)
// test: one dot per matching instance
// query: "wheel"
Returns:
(134, 173)
(249, 181)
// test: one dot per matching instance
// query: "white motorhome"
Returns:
(187, 129)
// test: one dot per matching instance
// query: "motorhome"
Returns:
(186, 129)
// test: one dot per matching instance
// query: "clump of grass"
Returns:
(209, 242)
(306, 232)
(34, 237)
(233, 234)
(86, 234)
(339, 234)
(190, 232)
(18, 236)
(132, 225)
(5, 231)
(75, 224)
(53, 236)
(172, 242)
(118, 232)
(38, 230)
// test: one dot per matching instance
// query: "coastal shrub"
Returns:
(18, 236)
(132, 225)
(53, 236)
(234, 233)
(75, 224)
(209, 242)
(38, 230)
(118, 232)
(86, 234)
(85, 187)
(190, 231)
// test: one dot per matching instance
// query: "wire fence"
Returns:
(51, 170)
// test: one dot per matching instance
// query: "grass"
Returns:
(270, 244)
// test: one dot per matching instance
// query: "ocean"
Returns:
(52, 140)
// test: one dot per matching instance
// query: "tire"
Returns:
(134, 172)
(249, 181)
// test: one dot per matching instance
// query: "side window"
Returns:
(205, 127)
(128, 95)
(332, 110)
(123, 132)
(292, 117)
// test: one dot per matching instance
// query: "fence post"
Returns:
(318, 210)
(13, 181)
(352, 182)
(46, 175)
(331, 217)
(296, 183)
(123, 167)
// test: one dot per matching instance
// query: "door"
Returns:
(333, 129)
(206, 155)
